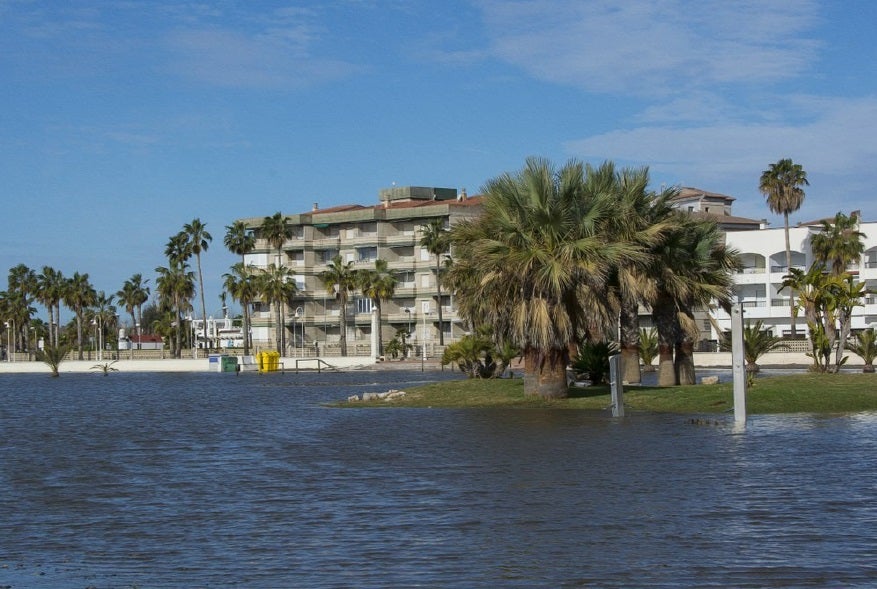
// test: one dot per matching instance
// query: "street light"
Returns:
(191, 321)
(98, 322)
(10, 357)
(405, 348)
(299, 312)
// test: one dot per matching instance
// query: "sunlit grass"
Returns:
(799, 393)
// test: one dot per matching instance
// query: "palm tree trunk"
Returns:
(789, 269)
(79, 334)
(684, 362)
(342, 324)
(662, 314)
(278, 337)
(201, 291)
(438, 288)
(629, 331)
(545, 373)
(380, 335)
(246, 326)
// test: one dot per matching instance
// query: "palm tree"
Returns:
(199, 239)
(104, 313)
(176, 286)
(839, 243)
(276, 284)
(542, 266)
(22, 286)
(648, 347)
(435, 240)
(340, 279)
(79, 295)
(276, 232)
(239, 239)
(50, 289)
(133, 294)
(642, 217)
(692, 268)
(865, 347)
(378, 285)
(757, 341)
(781, 185)
(242, 285)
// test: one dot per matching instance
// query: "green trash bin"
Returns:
(229, 364)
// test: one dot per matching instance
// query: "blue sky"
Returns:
(121, 121)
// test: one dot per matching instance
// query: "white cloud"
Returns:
(648, 47)
(836, 143)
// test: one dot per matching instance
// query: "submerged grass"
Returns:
(799, 393)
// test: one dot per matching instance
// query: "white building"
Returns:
(759, 283)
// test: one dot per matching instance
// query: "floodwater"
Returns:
(217, 480)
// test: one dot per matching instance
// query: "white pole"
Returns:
(738, 363)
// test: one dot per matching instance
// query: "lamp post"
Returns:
(299, 313)
(423, 342)
(139, 344)
(10, 357)
(404, 341)
(98, 323)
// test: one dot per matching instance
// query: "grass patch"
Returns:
(799, 393)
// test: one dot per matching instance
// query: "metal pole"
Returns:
(738, 363)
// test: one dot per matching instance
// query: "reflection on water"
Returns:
(217, 480)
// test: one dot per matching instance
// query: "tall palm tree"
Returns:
(781, 185)
(176, 286)
(543, 266)
(839, 243)
(79, 295)
(277, 285)
(133, 294)
(276, 232)
(340, 279)
(199, 240)
(241, 284)
(378, 285)
(22, 286)
(436, 240)
(50, 288)
(239, 239)
(104, 313)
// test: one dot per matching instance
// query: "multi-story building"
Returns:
(759, 282)
(389, 231)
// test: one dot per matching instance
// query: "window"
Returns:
(366, 254)
(364, 305)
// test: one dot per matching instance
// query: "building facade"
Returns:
(390, 231)
(759, 282)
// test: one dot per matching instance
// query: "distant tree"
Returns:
(239, 239)
(782, 185)
(198, 240)
(436, 240)
(276, 284)
(340, 279)
(839, 243)
(378, 284)
(79, 295)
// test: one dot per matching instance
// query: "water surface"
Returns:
(214, 480)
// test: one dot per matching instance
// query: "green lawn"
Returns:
(799, 393)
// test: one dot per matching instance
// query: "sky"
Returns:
(120, 121)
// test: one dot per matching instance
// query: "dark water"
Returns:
(215, 480)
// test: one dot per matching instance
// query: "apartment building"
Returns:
(759, 282)
(390, 230)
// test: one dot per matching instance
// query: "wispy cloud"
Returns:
(652, 48)
(273, 51)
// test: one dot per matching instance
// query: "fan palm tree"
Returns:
(78, 296)
(22, 286)
(642, 217)
(542, 266)
(276, 232)
(199, 240)
(378, 285)
(176, 287)
(692, 268)
(839, 243)
(277, 285)
(50, 289)
(133, 294)
(435, 239)
(340, 279)
(781, 185)
(242, 284)
(865, 347)
(239, 239)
